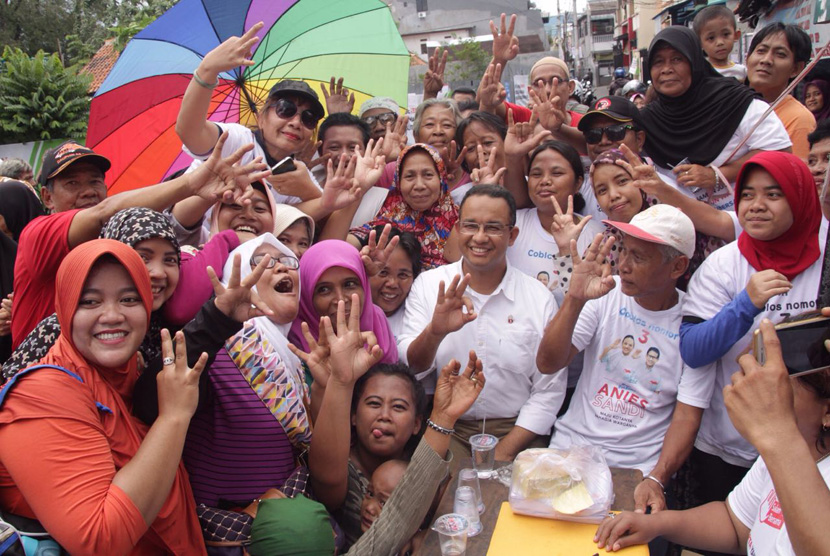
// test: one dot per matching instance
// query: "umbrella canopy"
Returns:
(133, 113)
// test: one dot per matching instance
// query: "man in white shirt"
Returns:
(487, 306)
(625, 398)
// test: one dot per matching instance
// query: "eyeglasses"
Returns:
(385, 118)
(614, 132)
(287, 109)
(491, 229)
(289, 262)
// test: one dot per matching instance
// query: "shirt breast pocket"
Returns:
(517, 349)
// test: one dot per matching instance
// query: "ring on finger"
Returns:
(167, 361)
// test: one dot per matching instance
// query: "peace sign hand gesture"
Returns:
(237, 300)
(644, 175)
(453, 309)
(452, 158)
(564, 229)
(591, 278)
(486, 171)
(505, 44)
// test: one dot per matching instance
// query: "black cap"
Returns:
(289, 87)
(64, 155)
(614, 107)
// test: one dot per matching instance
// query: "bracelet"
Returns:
(431, 424)
(656, 480)
(204, 83)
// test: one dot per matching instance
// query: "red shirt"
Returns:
(522, 114)
(43, 245)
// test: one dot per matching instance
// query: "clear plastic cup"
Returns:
(465, 504)
(452, 534)
(469, 477)
(483, 447)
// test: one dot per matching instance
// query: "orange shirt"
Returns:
(799, 122)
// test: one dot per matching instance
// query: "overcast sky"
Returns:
(564, 5)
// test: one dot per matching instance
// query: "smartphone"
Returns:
(283, 166)
(802, 343)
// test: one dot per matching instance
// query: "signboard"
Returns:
(805, 14)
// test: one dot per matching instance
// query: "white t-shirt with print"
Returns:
(534, 248)
(623, 402)
(719, 280)
(755, 503)
(769, 136)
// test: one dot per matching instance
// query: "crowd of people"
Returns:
(283, 349)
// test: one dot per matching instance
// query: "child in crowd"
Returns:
(717, 29)
(384, 480)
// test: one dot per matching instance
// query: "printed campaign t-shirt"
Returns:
(719, 280)
(631, 377)
(534, 248)
(755, 503)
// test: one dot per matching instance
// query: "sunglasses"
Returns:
(287, 109)
(289, 262)
(614, 132)
(385, 118)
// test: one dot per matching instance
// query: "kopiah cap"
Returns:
(663, 224)
(617, 108)
(64, 155)
(289, 87)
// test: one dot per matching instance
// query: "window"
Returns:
(421, 6)
(423, 48)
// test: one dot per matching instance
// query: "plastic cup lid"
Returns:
(451, 524)
(484, 440)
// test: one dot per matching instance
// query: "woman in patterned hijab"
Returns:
(150, 234)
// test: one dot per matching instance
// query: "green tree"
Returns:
(471, 60)
(40, 98)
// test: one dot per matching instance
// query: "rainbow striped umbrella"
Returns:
(133, 113)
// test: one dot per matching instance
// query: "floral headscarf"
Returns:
(432, 227)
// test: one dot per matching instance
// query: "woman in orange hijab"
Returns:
(71, 454)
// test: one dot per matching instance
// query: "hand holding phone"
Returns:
(283, 166)
(802, 343)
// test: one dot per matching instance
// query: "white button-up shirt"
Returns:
(505, 336)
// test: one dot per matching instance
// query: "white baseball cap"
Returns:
(663, 224)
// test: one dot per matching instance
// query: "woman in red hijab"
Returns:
(71, 454)
(771, 272)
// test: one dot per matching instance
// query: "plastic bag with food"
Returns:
(572, 485)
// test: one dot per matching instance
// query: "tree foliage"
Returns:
(40, 98)
(74, 29)
(471, 60)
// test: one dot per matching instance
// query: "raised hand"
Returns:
(591, 278)
(453, 309)
(564, 229)
(234, 52)
(352, 352)
(370, 165)
(395, 139)
(549, 108)
(226, 179)
(453, 158)
(341, 189)
(766, 284)
(455, 393)
(337, 97)
(434, 77)
(644, 175)
(317, 358)
(237, 300)
(491, 93)
(178, 384)
(522, 137)
(505, 45)
(487, 171)
(375, 253)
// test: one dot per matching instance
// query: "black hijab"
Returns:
(19, 207)
(699, 123)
